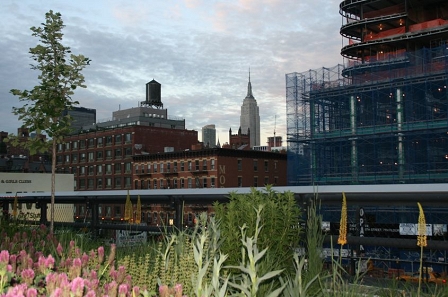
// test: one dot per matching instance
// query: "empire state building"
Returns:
(250, 117)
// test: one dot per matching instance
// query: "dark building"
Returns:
(383, 116)
(81, 117)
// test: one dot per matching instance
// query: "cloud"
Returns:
(200, 51)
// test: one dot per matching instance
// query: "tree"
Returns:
(60, 74)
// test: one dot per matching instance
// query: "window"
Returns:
(212, 165)
(127, 138)
(149, 168)
(155, 167)
(240, 165)
(118, 154)
(82, 144)
(142, 184)
(275, 165)
(266, 180)
(189, 183)
(91, 171)
(99, 142)
(82, 183)
(108, 140)
(99, 183)
(108, 183)
(67, 146)
(255, 181)
(117, 211)
(108, 154)
(212, 182)
(108, 168)
(161, 167)
(128, 151)
(181, 165)
(275, 180)
(148, 217)
(127, 167)
(117, 183)
(240, 181)
(127, 182)
(175, 166)
(90, 183)
(82, 157)
(91, 142)
(204, 164)
(175, 183)
(59, 147)
(196, 165)
(82, 170)
(117, 167)
(75, 144)
(99, 169)
(75, 158)
(67, 158)
(155, 184)
(91, 156)
(100, 211)
(162, 186)
(108, 211)
(182, 183)
(168, 167)
(189, 165)
(118, 139)
(99, 155)
(255, 165)
(266, 166)
(204, 182)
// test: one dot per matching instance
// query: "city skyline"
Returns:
(198, 50)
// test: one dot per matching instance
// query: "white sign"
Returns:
(130, 238)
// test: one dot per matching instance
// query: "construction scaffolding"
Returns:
(383, 116)
(382, 120)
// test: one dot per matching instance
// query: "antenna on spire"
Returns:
(249, 73)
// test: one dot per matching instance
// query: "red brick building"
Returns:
(209, 168)
(102, 159)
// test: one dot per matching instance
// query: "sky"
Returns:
(200, 51)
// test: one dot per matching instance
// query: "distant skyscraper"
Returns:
(209, 135)
(81, 117)
(250, 117)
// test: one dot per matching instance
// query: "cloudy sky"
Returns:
(199, 50)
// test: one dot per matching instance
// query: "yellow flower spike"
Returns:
(128, 208)
(421, 236)
(138, 215)
(343, 225)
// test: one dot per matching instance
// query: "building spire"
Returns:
(249, 88)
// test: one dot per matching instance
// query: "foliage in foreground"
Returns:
(184, 264)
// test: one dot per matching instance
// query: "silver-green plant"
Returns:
(249, 282)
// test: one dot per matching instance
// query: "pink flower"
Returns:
(4, 257)
(31, 292)
(84, 260)
(135, 291)
(77, 286)
(164, 291)
(28, 276)
(59, 249)
(100, 254)
(123, 290)
(49, 262)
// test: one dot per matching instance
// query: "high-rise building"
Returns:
(383, 116)
(81, 117)
(250, 117)
(209, 136)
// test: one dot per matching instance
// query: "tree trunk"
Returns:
(53, 184)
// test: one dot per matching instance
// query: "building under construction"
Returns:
(382, 117)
